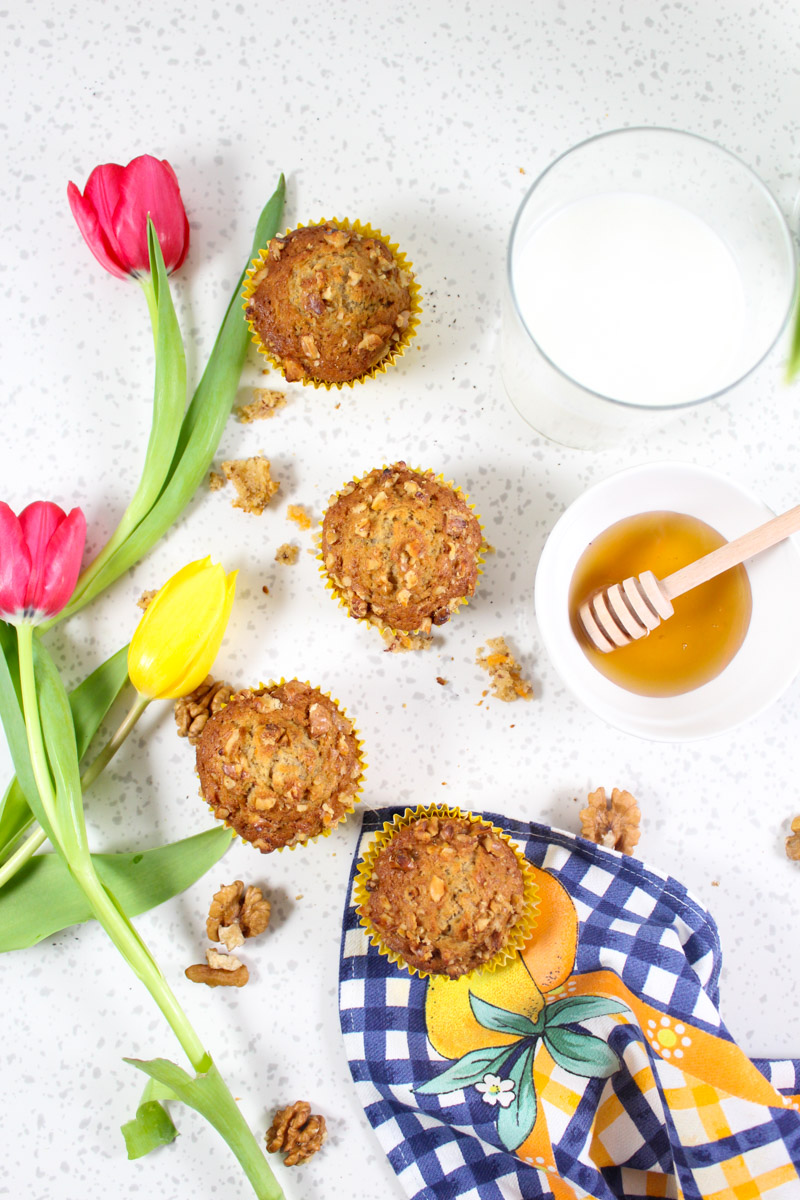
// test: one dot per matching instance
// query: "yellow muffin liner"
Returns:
(520, 933)
(404, 636)
(398, 348)
(362, 762)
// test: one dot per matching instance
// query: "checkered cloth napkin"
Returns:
(591, 1066)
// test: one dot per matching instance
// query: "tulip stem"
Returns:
(32, 843)
(63, 809)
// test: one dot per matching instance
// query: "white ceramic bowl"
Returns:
(769, 657)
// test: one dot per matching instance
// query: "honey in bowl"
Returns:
(709, 623)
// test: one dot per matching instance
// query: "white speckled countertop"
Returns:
(430, 121)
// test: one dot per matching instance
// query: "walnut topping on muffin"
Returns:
(401, 546)
(329, 303)
(445, 893)
(279, 764)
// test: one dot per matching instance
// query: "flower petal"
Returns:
(62, 564)
(39, 522)
(15, 563)
(93, 212)
(150, 186)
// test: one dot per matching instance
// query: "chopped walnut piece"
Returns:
(216, 481)
(216, 977)
(254, 485)
(233, 906)
(287, 554)
(793, 842)
(504, 671)
(298, 514)
(222, 962)
(613, 823)
(296, 1133)
(146, 599)
(192, 711)
(266, 402)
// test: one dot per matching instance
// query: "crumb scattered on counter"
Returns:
(504, 671)
(300, 516)
(793, 842)
(216, 481)
(266, 402)
(440, 680)
(287, 554)
(254, 484)
(614, 823)
(265, 590)
(146, 597)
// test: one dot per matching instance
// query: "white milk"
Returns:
(633, 297)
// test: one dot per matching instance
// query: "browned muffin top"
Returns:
(329, 303)
(279, 764)
(402, 547)
(445, 893)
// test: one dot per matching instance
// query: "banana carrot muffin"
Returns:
(401, 546)
(279, 764)
(327, 303)
(445, 893)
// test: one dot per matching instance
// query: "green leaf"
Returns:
(468, 1070)
(202, 425)
(208, 1095)
(500, 1020)
(152, 1126)
(581, 1053)
(62, 753)
(11, 712)
(43, 897)
(89, 702)
(515, 1122)
(580, 1008)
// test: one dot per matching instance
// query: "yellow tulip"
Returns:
(178, 637)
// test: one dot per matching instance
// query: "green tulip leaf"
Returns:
(580, 1008)
(515, 1122)
(500, 1020)
(581, 1053)
(11, 712)
(468, 1070)
(43, 898)
(207, 1094)
(152, 1126)
(793, 365)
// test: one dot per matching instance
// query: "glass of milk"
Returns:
(649, 270)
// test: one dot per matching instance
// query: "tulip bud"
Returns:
(40, 558)
(178, 637)
(113, 210)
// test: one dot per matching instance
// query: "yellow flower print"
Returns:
(667, 1037)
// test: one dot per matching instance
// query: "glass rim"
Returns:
(771, 202)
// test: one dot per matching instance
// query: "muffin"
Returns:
(401, 546)
(279, 764)
(446, 893)
(328, 304)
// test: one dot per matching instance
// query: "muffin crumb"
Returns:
(216, 481)
(440, 680)
(146, 599)
(298, 514)
(287, 554)
(504, 671)
(793, 842)
(254, 484)
(612, 823)
(265, 403)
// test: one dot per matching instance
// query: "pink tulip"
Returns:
(40, 557)
(112, 215)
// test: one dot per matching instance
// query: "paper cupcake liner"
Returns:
(520, 933)
(398, 348)
(362, 762)
(386, 630)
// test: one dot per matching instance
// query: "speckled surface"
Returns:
(429, 122)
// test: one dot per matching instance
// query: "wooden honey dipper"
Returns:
(617, 615)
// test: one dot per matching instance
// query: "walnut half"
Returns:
(296, 1133)
(236, 909)
(613, 823)
(216, 976)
